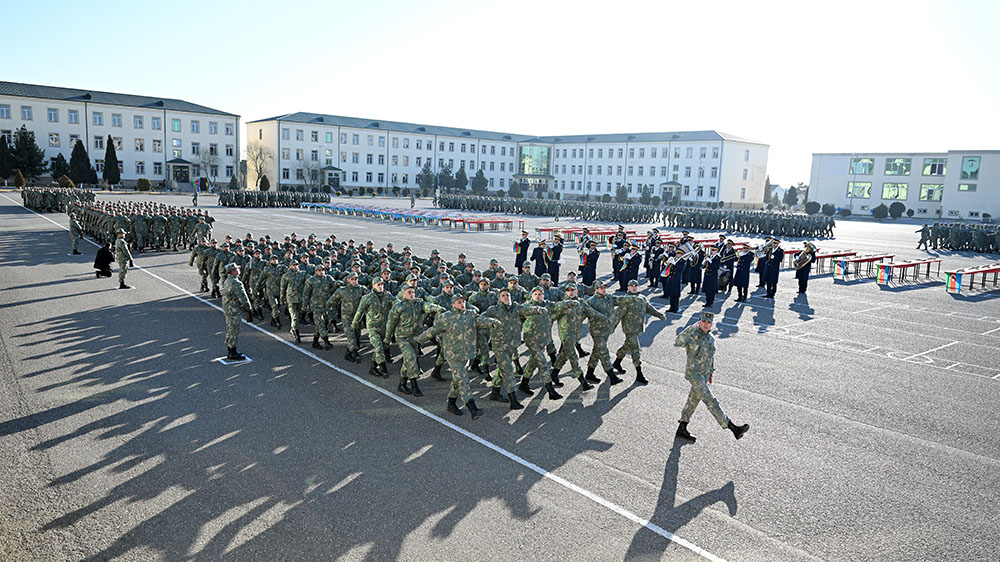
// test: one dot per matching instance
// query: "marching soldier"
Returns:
(291, 290)
(235, 306)
(406, 320)
(570, 323)
(124, 258)
(537, 333)
(631, 312)
(317, 291)
(345, 300)
(600, 329)
(374, 309)
(505, 338)
(700, 346)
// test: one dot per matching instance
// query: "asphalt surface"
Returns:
(874, 431)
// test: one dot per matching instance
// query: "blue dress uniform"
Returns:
(540, 256)
(522, 251)
(617, 253)
(728, 257)
(653, 264)
(741, 278)
(590, 265)
(694, 272)
(711, 285)
(672, 282)
(773, 269)
(802, 274)
(555, 252)
(629, 269)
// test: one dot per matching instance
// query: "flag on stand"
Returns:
(953, 282)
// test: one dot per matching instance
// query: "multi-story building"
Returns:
(958, 184)
(703, 167)
(161, 139)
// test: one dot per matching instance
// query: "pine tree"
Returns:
(425, 179)
(79, 164)
(111, 174)
(479, 182)
(265, 184)
(621, 194)
(4, 159)
(26, 155)
(59, 166)
(445, 179)
(461, 180)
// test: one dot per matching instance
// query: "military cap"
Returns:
(559, 236)
(570, 286)
(546, 276)
(377, 280)
(598, 284)
(729, 242)
(408, 288)
(411, 277)
(633, 282)
(476, 272)
(353, 275)
(369, 243)
(274, 258)
(494, 261)
(537, 288)
(499, 269)
(224, 244)
(462, 255)
(706, 317)
(320, 266)
(540, 242)
(231, 267)
(457, 297)
(481, 281)
(406, 248)
(434, 252)
(503, 290)
(447, 283)
(249, 235)
(511, 279)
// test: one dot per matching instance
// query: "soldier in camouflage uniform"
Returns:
(700, 346)
(198, 257)
(269, 283)
(600, 329)
(346, 300)
(570, 324)
(537, 333)
(374, 309)
(505, 339)
(631, 312)
(124, 258)
(74, 232)
(317, 291)
(455, 330)
(406, 320)
(235, 305)
(291, 290)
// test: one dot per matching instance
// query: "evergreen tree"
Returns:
(461, 180)
(621, 194)
(791, 196)
(479, 182)
(265, 184)
(5, 169)
(79, 164)
(26, 155)
(425, 179)
(233, 184)
(767, 189)
(59, 166)
(92, 176)
(111, 174)
(444, 177)
(515, 190)
(645, 197)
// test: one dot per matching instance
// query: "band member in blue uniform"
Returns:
(588, 265)
(540, 255)
(711, 267)
(775, 257)
(728, 264)
(555, 252)
(521, 247)
(694, 269)
(630, 267)
(741, 277)
(671, 276)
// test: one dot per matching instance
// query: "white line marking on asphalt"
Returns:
(940, 347)
(874, 308)
(461, 431)
(990, 331)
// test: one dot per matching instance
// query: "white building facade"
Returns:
(703, 167)
(167, 141)
(958, 184)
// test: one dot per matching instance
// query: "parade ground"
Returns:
(874, 432)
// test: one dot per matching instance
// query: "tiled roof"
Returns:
(72, 94)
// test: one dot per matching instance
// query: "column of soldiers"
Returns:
(960, 236)
(54, 199)
(475, 318)
(147, 225)
(732, 220)
(241, 198)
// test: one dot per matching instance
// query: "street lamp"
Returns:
(854, 180)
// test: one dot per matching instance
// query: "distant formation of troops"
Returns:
(147, 225)
(242, 198)
(776, 223)
(54, 199)
(960, 236)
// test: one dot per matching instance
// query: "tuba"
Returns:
(805, 257)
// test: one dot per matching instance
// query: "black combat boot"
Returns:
(639, 379)
(553, 395)
(436, 373)
(613, 378)
(496, 396)
(682, 432)
(471, 405)
(404, 385)
(260, 313)
(122, 285)
(326, 343)
(738, 430)
(517, 366)
(554, 377)
(484, 368)
(348, 355)
(415, 388)
(384, 370)
(474, 365)
(584, 385)
(581, 352)
(296, 335)
(277, 322)
(552, 358)
(237, 356)
(618, 366)
(77, 253)
(514, 404)
(373, 369)
(336, 328)
(591, 377)
(272, 322)
(316, 342)
(523, 387)
(453, 407)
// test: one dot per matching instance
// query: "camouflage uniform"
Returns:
(406, 320)
(456, 330)
(631, 311)
(346, 300)
(600, 330)
(700, 348)
(235, 305)
(570, 323)
(317, 291)
(74, 232)
(537, 334)
(374, 308)
(506, 338)
(291, 288)
(124, 257)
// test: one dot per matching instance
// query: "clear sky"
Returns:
(800, 76)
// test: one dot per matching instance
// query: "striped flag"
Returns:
(840, 270)
(884, 272)
(954, 282)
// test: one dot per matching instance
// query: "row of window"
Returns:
(140, 169)
(900, 191)
(901, 167)
(138, 121)
(420, 144)
(55, 141)
(654, 152)
(923, 211)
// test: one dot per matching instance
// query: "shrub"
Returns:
(770, 206)
(985, 215)
(539, 195)
(812, 208)
(406, 192)
(265, 184)
(606, 198)
(325, 188)
(143, 185)
(64, 181)
(909, 213)
(500, 193)
(379, 191)
(896, 210)
(829, 210)
(233, 185)
(558, 196)
(395, 191)
(721, 204)
(515, 190)
(881, 211)
(844, 212)
(18, 178)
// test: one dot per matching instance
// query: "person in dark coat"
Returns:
(672, 273)
(653, 262)
(802, 274)
(728, 259)
(762, 266)
(555, 253)
(773, 269)
(694, 270)
(711, 266)
(540, 256)
(629, 268)
(589, 261)
(741, 278)
(619, 247)
(102, 263)
(521, 247)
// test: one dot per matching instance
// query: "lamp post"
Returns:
(854, 180)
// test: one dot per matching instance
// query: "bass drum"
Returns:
(725, 278)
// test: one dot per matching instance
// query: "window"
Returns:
(157, 145)
(195, 148)
(711, 191)
(354, 176)
(406, 179)
(677, 152)
(195, 126)
(140, 168)
(935, 166)
(687, 171)
(974, 214)
(229, 129)
(53, 139)
(381, 159)
(701, 190)
(590, 153)
(329, 137)
(640, 170)
(701, 172)
(503, 151)
(420, 144)
(743, 193)
(99, 165)
(687, 190)
(395, 160)
(284, 174)
(299, 175)
(286, 153)
(328, 157)
(970, 167)
(859, 189)
(229, 171)
(744, 173)
(895, 191)
(371, 142)
(714, 173)
(952, 213)
(73, 139)
(419, 160)
(406, 144)
(620, 152)
(406, 160)
(355, 139)
(53, 115)
(862, 166)
(897, 166)
(369, 158)
(98, 118)
(966, 187)
(600, 153)
(702, 152)
(158, 168)
(715, 152)
(155, 123)
(630, 170)
(176, 152)
(663, 171)
(381, 142)
(314, 156)
(368, 177)
(299, 134)
(175, 125)
(619, 170)
(451, 147)
(381, 176)
(921, 211)
(502, 167)
(230, 150)
(746, 155)
(137, 121)
(140, 145)
(99, 142)
(176, 143)
(213, 149)
(689, 152)
(116, 119)
(298, 154)
(931, 191)
(26, 112)
(631, 153)
(4, 111)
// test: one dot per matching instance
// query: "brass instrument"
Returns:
(805, 256)
(765, 250)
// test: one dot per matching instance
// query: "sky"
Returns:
(801, 77)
